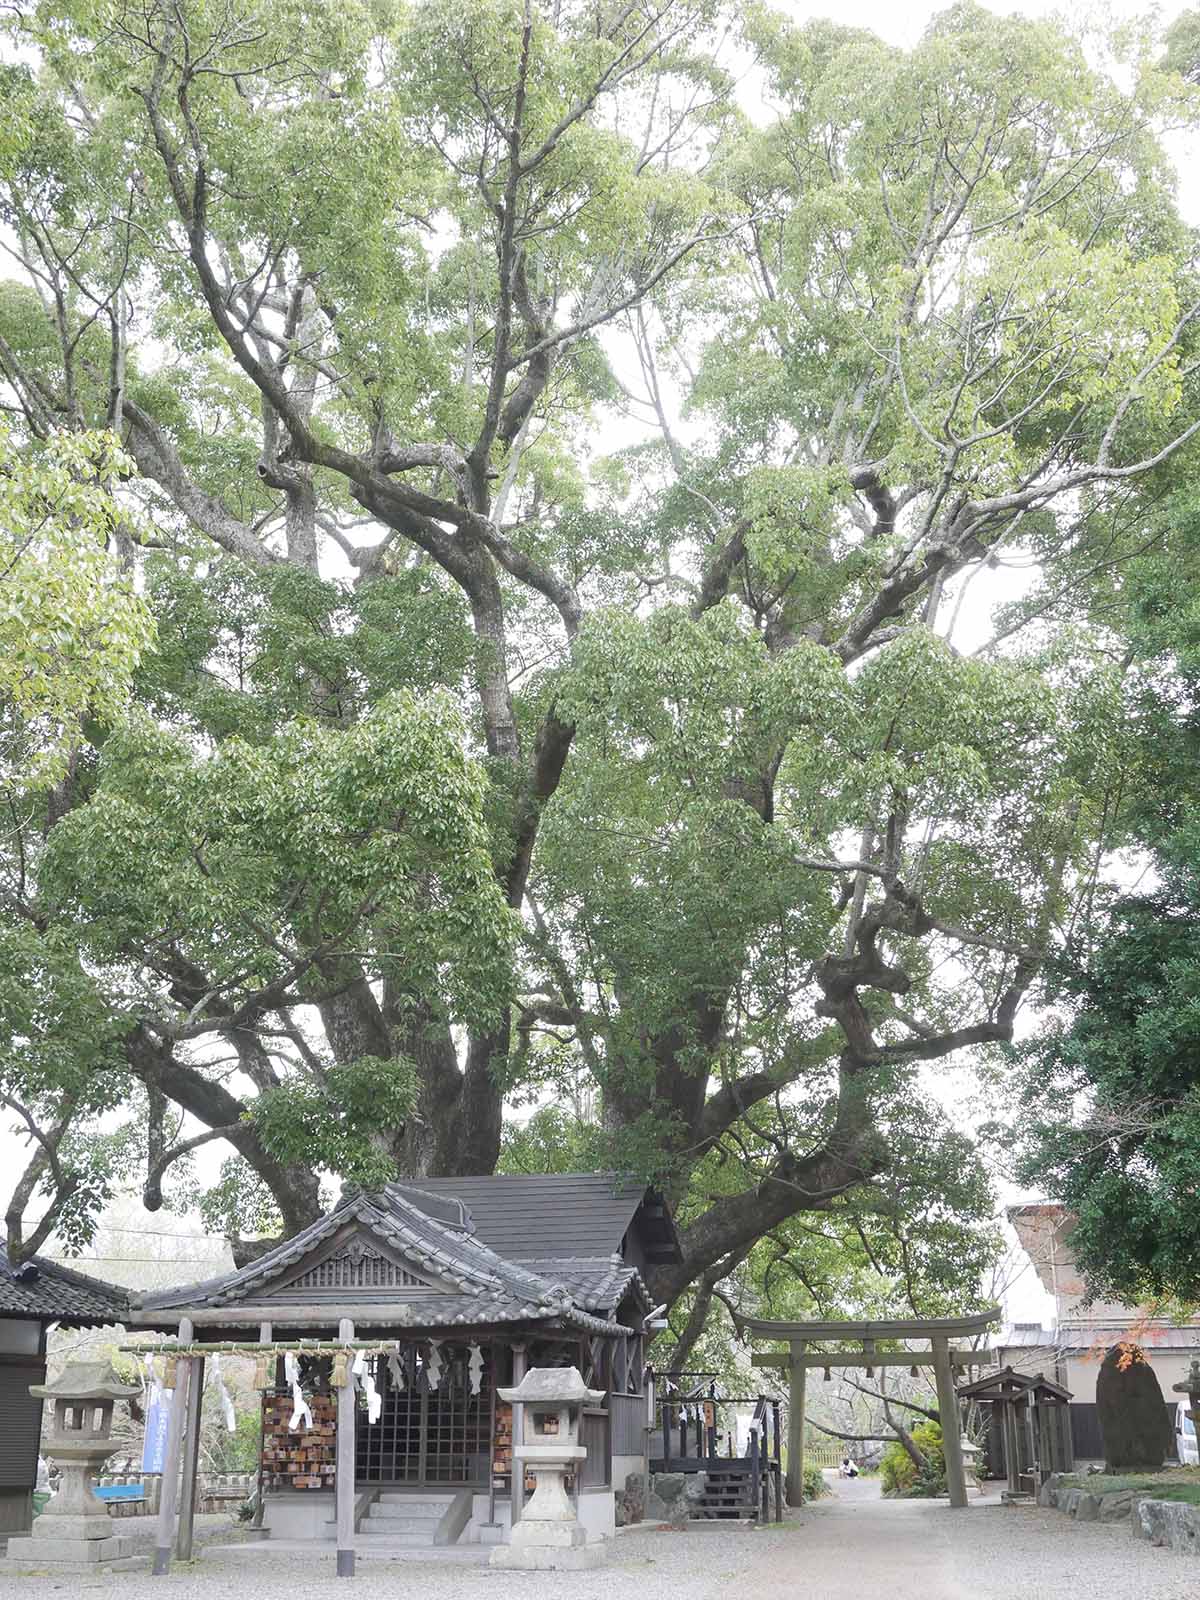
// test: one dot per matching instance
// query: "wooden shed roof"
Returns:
(1008, 1384)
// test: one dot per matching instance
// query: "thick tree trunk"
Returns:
(295, 1188)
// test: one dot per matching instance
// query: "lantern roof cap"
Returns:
(85, 1380)
(552, 1386)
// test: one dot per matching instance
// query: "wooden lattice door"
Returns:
(426, 1434)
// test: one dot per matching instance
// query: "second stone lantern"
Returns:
(75, 1529)
(549, 1534)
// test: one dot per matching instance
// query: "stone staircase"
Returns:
(397, 1520)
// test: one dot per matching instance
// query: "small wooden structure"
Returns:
(1023, 1408)
(809, 1346)
(696, 1431)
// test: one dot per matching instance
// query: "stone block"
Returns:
(548, 1535)
(1116, 1507)
(674, 1497)
(1087, 1508)
(536, 1558)
(630, 1502)
(66, 1526)
(1069, 1498)
(1172, 1523)
(41, 1552)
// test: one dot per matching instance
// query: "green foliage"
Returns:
(72, 628)
(898, 1473)
(1111, 1119)
(336, 1123)
(237, 1451)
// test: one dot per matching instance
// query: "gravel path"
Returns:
(851, 1547)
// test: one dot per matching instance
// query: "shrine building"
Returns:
(383, 1331)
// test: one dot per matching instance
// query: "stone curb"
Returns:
(1174, 1524)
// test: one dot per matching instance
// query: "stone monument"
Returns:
(549, 1535)
(1132, 1413)
(75, 1529)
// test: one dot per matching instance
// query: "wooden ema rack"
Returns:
(305, 1459)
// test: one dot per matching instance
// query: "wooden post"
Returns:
(1031, 1444)
(344, 1481)
(260, 1508)
(191, 1458)
(520, 1366)
(165, 1533)
(648, 1430)
(1045, 1442)
(492, 1443)
(777, 1459)
(956, 1477)
(797, 1398)
(1012, 1448)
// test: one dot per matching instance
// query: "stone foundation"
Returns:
(62, 1553)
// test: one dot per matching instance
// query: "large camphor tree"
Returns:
(562, 485)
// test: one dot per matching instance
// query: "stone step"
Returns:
(405, 1508)
(385, 1527)
(386, 1539)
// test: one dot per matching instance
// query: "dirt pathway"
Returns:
(858, 1546)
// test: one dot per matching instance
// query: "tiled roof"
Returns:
(557, 1215)
(43, 1290)
(486, 1287)
(597, 1283)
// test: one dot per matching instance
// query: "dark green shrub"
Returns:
(898, 1473)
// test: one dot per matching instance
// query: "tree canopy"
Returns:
(563, 487)
(1111, 1117)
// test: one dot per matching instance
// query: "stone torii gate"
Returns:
(801, 1338)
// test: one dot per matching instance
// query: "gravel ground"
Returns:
(852, 1547)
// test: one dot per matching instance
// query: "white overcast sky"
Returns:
(144, 1241)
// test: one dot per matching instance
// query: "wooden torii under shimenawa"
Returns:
(801, 1337)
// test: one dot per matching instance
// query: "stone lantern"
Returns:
(549, 1534)
(75, 1528)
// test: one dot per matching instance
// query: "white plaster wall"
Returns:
(598, 1513)
(622, 1466)
(472, 1533)
(300, 1516)
(1169, 1367)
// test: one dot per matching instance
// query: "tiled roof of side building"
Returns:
(557, 1215)
(44, 1291)
(598, 1284)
